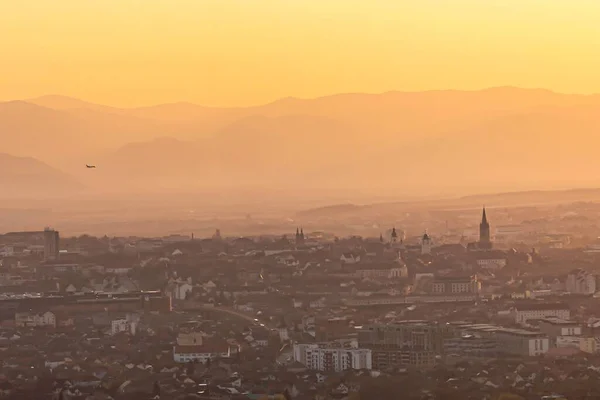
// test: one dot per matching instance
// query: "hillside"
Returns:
(25, 176)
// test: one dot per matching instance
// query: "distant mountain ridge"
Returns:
(472, 202)
(408, 141)
(28, 176)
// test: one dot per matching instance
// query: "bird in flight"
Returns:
(90, 166)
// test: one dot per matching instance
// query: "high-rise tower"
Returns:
(51, 243)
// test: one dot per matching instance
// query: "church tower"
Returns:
(484, 232)
(426, 244)
(299, 236)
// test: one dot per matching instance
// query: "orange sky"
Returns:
(242, 52)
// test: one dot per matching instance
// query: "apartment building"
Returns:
(509, 341)
(455, 285)
(527, 311)
(330, 357)
(581, 282)
(414, 343)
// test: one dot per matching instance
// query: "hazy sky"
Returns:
(242, 52)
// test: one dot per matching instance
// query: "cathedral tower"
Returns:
(484, 232)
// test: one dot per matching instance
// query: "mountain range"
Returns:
(26, 176)
(404, 142)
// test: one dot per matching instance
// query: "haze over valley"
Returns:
(398, 143)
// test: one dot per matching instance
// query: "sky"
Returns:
(247, 52)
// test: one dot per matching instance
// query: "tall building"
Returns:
(414, 343)
(484, 232)
(581, 282)
(51, 244)
(331, 357)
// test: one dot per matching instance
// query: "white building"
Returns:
(122, 325)
(326, 357)
(525, 312)
(455, 285)
(283, 333)
(180, 291)
(381, 271)
(492, 264)
(521, 342)
(201, 353)
(32, 319)
(349, 258)
(128, 324)
(508, 340)
(581, 282)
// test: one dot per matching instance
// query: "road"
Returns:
(226, 310)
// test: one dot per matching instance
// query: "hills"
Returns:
(399, 142)
(24, 176)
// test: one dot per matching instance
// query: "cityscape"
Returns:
(299, 200)
(304, 315)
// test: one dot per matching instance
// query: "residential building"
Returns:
(581, 282)
(33, 319)
(491, 261)
(561, 333)
(378, 271)
(415, 343)
(527, 311)
(455, 285)
(207, 350)
(180, 290)
(128, 325)
(332, 358)
(589, 344)
(470, 346)
(51, 244)
(521, 342)
(508, 340)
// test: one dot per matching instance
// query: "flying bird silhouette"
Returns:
(90, 166)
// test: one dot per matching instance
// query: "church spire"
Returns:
(484, 231)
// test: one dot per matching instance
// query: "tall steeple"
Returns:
(299, 236)
(484, 230)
